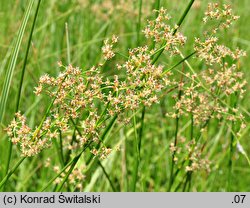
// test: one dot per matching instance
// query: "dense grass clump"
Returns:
(143, 98)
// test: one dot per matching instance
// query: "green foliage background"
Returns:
(87, 30)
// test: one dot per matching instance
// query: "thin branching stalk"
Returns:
(98, 161)
(180, 62)
(63, 169)
(57, 146)
(75, 160)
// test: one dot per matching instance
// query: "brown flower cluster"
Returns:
(31, 142)
(76, 177)
(87, 96)
(205, 95)
(223, 15)
(209, 49)
(189, 154)
(212, 52)
(144, 81)
(107, 49)
(161, 32)
(85, 100)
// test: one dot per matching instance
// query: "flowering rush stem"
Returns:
(5, 179)
(171, 181)
(157, 57)
(140, 133)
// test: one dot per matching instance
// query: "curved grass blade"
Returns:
(12, 63)
(21, 80)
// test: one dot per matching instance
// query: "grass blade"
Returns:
(21, 80)
(13, 59)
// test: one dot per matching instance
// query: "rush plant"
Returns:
(104, 114)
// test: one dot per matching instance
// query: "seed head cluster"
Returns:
(223, 15)
(192, 152)
(78, 94)
(84, 100)
(208, 47)
(161, 32)
(31, 141)
(204, 95)
(76, 177)
(107, 49)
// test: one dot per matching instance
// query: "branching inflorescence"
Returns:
(85, 99)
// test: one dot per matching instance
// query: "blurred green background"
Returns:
(89, 23)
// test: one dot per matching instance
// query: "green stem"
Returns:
(180, 62)
(187, 181)
(141, 128)
(171, 181)
(189, 174)
(26, 57)
(107, 176)
(68, 153)
(230, 163)
(61, 147)
(75, 160)
(157, 5)
(232, 138)
(21, 81)
(59, 152)
(5, 179)
(137, 161)
(184, 15)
